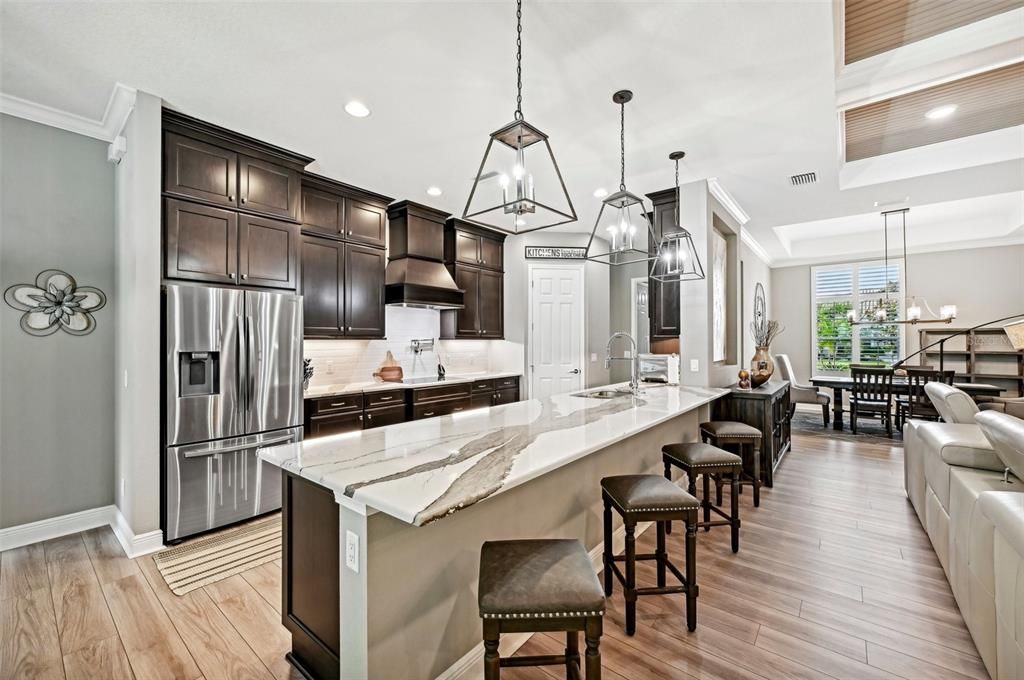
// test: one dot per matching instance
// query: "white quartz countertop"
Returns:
(378, 385)
(423, 470)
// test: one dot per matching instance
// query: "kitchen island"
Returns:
(383, 528)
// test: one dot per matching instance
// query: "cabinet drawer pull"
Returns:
(456, 410)
(369, 416)
(386, 398)
(231, 274)
(427, 415)
(360, 416)
(243, 199)
(339, 403)
(245, 276)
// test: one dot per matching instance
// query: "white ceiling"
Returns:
(746, 88)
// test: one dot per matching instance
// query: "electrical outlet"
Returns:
(593, 357)
(352, 551)
(694, 365)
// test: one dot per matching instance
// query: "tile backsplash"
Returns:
(338, 362)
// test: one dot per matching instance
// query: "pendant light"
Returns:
(623, 219)
(517, 167)
(677, 256)
(913, 311)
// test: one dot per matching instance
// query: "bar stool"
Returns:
(710, 462)
(649, 498)
(531, 586)
(722, 433)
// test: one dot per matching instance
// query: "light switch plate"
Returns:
(352, 551)
(694, 365)
(593, 357)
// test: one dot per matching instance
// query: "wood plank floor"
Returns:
(834, 579)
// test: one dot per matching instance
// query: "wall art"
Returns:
(56, 302)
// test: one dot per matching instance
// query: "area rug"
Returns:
(809, 423)
(213, 558)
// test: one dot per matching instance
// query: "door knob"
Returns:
(575, 371)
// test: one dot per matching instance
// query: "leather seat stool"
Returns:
(723, 433)
(649, 498)
(532, 586)
(709, 461)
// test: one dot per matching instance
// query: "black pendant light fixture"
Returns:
(518, 167)
(677, 256)
(622, 222)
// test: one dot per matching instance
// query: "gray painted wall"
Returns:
(984, 284)
(56, 392)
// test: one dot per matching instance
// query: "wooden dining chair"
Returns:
(916, 403)
(871, 395)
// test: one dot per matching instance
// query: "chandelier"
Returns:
(677, 256)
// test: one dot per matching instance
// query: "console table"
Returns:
(767, 409)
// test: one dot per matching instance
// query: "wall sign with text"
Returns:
(556, 253)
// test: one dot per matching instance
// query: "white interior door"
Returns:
(556, 329)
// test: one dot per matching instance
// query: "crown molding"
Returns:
(727, 201)
(972, 244)
(115, 116)
(756, 247)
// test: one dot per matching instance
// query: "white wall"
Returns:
(755, 270)
(137, 342)
(517, 298)
(984, 284)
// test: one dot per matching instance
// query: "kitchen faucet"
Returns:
(634, 374)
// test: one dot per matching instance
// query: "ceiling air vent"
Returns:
(803, 178)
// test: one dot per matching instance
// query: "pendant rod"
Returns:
(519, 60)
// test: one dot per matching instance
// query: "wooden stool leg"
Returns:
(572, 651)
(630, 588)
(691, 572)
(718, 490)
(593, 638)
(734, 502)
(609, 556)
(706, 501)
(668, 476)
(757, 474)
(492, 661)
(661, 554)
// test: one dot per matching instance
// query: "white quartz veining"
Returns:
(421, 471)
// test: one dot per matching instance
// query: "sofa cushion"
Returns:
(954, 405)
(1006, 434)
(1005, 510)
(945, 446)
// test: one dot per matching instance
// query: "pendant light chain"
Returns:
(622, 147)
(519, 60)
(678, 224)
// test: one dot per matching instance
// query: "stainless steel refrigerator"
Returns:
(233, 383)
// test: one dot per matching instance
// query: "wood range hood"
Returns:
(416, 275)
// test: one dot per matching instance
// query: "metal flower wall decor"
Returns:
(55, 302)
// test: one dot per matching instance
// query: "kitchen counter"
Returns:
(383, 527)
(377, 385)
(421, 471)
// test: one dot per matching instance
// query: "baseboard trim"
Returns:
(55, 527)
(134, 545)
(471, 665)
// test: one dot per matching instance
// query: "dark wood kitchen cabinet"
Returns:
(343, 259)
(342, 288)
(364, 291)
(766, 408)
(200, 242)
(475, 258)
(342, 211)
(663, 297)
(268, 252)
(216, 166)
(220, 246)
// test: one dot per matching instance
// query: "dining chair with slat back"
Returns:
(916, 403)
(871, 395)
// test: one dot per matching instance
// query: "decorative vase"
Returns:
(761, 366)
(390, 370)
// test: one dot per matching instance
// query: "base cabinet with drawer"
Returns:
(325, 416)
(766, 408)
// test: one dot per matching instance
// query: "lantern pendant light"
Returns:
(677, 256)
(623, 219)
(517, 167)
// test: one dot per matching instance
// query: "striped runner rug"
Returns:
(213, 558)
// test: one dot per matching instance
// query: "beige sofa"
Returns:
(964, 481)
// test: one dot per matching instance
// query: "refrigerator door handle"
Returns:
(238, 447)
(250, 335)
(239, 394)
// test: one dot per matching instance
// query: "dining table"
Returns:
(900, 386)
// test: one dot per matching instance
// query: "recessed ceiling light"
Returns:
(600, 193)
(434, 191)
(940, 112)
(357, 109)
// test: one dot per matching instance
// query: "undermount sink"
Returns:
(602, 394)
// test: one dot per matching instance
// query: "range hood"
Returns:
(416, 275)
